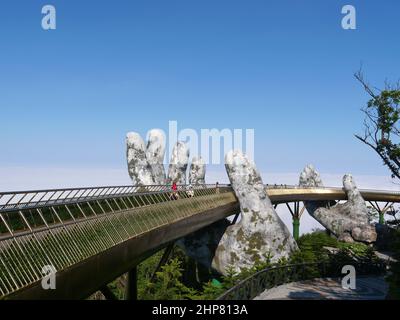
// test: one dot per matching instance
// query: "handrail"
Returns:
(267, 186)
(22, 217)
(17, 200)
(168, 186)
(66, 235)
(271, 277)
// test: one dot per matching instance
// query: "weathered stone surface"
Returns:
(346, 237)
(310, 177)
(201, 245)
(178, 164)
(348, 221)
(197, 171)
(260, 233)
(155, 153)
(138, 166)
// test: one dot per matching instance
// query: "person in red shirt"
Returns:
(174, 195)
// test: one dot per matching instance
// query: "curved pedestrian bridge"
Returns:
(91, 236)
(279, 194)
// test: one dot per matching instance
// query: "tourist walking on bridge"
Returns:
(174, 195)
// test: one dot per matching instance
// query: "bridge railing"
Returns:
(64, 230)
(288, 186)
(17, 200)
(20, 210)
(25, 211)
(269, 278)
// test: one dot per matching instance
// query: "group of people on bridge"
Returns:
(189, 191)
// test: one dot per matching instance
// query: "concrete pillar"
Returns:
(131, 285)
(381, 217)
(296, 228)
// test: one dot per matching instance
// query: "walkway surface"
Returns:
(368, 288)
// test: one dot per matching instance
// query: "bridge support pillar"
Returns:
(381, 218)
(381, 211)
(131, 285)
(163, 261)
(296, 213)
(296, 228)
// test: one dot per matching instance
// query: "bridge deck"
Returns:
(93, 235)
(91, 249)
(325, 194)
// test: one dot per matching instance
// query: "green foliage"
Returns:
(394, 277)
(386, 107)
(211, 292)
(356, 249)
(168, 285)
(382, 124)
(145, 272)
(311, 247)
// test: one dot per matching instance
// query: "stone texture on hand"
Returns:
(348, 221)
(197, 171)
(138, 166)
(260, 234)
(178, 164)
(201, 245)
(155, 152)
(309, 178)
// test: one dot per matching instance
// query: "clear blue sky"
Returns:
(284, 68)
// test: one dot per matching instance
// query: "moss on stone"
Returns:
(256, 241)
(234, 257)
(240, 235)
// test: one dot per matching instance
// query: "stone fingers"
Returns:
(155, 152)
(178, 164)
(138, 167)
